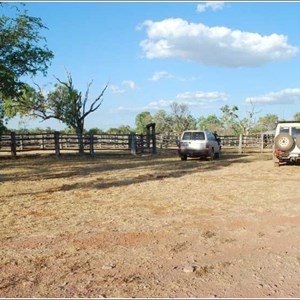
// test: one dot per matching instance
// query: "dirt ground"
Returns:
(149, 226)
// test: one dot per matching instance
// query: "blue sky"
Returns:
(204, 54)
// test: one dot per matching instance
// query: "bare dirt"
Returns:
(124, 226)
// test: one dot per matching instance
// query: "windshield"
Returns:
(199, 136)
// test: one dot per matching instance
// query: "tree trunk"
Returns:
(79, 134)
(80, 142)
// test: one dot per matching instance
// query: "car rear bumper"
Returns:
(283, 156)
(193, 153)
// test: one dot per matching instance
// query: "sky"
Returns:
(203, 54)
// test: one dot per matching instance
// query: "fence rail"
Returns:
(133, 143)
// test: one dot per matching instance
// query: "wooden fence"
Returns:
(230, 143)
(132, 143)
(14, 143)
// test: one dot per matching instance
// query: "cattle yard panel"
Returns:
(143, 144)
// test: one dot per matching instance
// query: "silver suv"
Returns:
(286, 147)
(198, 143)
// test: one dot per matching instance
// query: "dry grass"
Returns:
(124, 226)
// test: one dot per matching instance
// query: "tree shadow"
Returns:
(140, 169)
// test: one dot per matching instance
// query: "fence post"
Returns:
(56, 142)
(261, 143)
(42, 142)
(133, 144)
(21, 139)
(148, 138)
(92, 152)
(129, 140)
(142, 143)
(153, 140)
(241, 144)
(13, 144)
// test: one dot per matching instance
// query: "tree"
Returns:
(64, 103)
(123, 129)
(141, 120)
(95, 131)
(21, 53)
(229, 118)
(266, 123)
(234, 124)
(248, 123)
(210, 123)
(162, 121)
(182, 119)
(297, 116)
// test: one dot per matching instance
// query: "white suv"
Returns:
(199, 143)
(286, 146)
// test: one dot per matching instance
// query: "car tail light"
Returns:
(277, 153)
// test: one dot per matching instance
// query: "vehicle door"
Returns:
(213, 141)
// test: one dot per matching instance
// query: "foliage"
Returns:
(234, 124)
(3, 128)
(64, 103)
(141, 120)
(229, 119)
(181, 117)
(124, 129)
(266, 123)
(95, 131)
(210, 123)
(21, 52)
(163, 122)
(296, 116)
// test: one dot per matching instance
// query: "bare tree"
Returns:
(64, 103)
(182, 119)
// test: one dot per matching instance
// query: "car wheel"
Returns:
(217, 155)
(298, 141)
(211, 154)
(283, 141)
(183, 157)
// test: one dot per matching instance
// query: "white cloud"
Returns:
(161, 104)
(195, 99)
(219, 46)
(129, 83)
(116, 90)
(202, 97)
(286, 96)
(166, 75)
(198, 98)
(161, 75)
(213, 5)
(129, 110)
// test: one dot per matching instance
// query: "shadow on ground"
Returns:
(137, 169)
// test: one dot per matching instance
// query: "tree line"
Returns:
(179, 119)
(228, 123)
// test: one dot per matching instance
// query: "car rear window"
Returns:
(295, 131)
(284, 130)
(198, 136)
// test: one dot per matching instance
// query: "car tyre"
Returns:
(298, 141)
(217, 155)
(283, 141)
(183, 158)
(211, 154)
